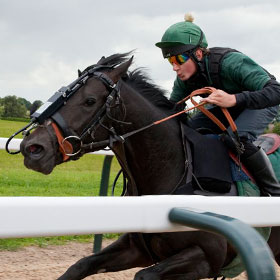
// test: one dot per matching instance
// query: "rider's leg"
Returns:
(259, 165)
(250, 124)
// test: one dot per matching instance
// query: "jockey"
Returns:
(250, 93)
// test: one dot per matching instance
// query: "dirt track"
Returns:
(34, 263)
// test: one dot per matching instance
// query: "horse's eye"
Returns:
(90, 102)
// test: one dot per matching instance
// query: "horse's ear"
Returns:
(101, 60)
(121, 70)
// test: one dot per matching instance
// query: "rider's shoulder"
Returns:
(235, 57)
(237, 61)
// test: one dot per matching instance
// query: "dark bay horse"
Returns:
(108, 104)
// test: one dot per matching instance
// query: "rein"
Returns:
(209, 90)
(65, 136)
(200, 106)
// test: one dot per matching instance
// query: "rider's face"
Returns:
(187, 69)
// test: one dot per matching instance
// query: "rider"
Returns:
(250, 93)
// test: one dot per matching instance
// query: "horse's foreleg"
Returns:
(190, 264)
(120, 255)
(274, 243)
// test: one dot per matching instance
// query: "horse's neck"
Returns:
(155, 157)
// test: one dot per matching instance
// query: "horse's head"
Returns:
(77, 118)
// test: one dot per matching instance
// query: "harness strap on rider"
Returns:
(216, 57)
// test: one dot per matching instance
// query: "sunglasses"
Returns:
(178, 59)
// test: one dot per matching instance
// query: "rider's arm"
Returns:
(268, 96)
(257, 89)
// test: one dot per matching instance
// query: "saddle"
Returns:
(269, 142)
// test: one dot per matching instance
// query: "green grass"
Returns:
(75, 178)
(14, 244)
(7, 128)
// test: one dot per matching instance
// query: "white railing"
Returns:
(15, 143)
(38, 216)
(46, 216)
(33, 216)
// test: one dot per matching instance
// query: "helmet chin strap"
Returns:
(199, 63)
(200, 66)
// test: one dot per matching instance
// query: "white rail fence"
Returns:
(46, 216)
(15, 144)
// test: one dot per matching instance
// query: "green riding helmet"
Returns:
(182, 37)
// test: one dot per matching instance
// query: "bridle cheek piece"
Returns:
(65, 147)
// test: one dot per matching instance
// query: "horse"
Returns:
(114, 107)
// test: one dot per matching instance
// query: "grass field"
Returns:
(77, 178)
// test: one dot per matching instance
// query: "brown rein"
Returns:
(66, 149)
(205, 90)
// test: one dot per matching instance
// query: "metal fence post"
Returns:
(253, 249)
(104, 184)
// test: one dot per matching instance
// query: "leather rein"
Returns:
(66, 137)
(66, 148)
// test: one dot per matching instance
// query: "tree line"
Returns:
(12, 106)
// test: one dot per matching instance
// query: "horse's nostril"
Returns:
(34, 149)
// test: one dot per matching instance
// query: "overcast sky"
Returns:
(44, 42)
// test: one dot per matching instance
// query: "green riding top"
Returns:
(251, 94)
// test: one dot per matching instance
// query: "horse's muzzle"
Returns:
(39, 157)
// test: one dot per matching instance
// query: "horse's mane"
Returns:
(144, 85)
(138, 80)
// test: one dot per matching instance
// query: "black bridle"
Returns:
(60, 98)
(49, 110)
(97, 120)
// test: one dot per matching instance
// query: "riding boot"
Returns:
(259, 165)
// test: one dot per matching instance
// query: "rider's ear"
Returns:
(121, 70)
(199, 54)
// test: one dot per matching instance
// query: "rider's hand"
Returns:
(221, 98)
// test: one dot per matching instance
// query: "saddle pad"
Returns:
(270, 142)
(237, 173)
